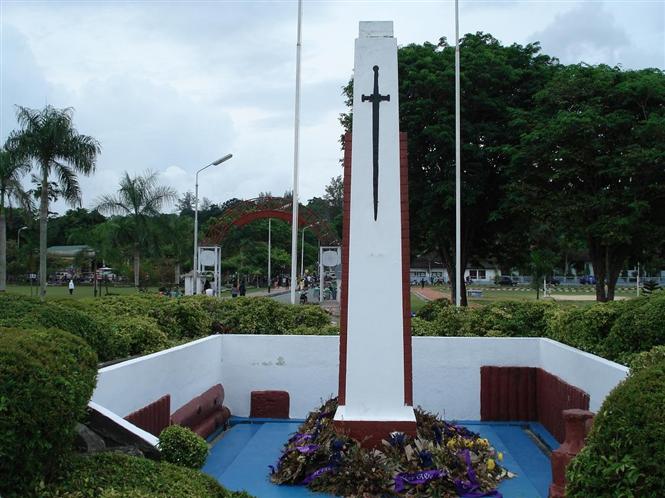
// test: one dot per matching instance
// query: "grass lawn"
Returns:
(81, 291)
(417, 303)
(583, 297)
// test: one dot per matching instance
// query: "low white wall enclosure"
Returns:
(446, 371)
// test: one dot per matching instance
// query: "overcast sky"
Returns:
(172, 85)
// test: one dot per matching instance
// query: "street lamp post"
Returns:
(18, 238)
(195, 270)
(269, 255)
(302, 250)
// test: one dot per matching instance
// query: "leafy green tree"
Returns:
(592, 163)
(176, 233)
(48, 137)
(11, 190)
(139, 198)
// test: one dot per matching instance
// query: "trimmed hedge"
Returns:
(30, 313)
(46, 380)
(640, 327)
(181, 446)
(626, 448)
(114, 475)
(615, 330)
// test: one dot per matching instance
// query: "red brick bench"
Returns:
(205, 413)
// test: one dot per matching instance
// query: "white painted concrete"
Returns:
(304, 366)
(375, 352)
(183, 372)
(146, 436)
(446, 371)
(594, 375)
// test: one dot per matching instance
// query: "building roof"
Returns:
(69, 251)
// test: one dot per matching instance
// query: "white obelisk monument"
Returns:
(375, 382)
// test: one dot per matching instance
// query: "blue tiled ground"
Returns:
(240, 459)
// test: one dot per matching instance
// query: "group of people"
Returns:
(238, 290)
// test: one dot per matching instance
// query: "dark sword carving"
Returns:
(375, 98)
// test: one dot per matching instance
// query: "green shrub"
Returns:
(510, 319)
(584, 328)
(25, 312)
(114, 475)
(46, 380)
(422, 327)
(180, 446)
(646, 359)
(139, 335)
(182, 318)
(432, 308)
(638, 328)
(325, 330)
(626, 447)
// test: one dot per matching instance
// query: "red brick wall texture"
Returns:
(526, 393)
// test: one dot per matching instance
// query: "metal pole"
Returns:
(269, 254)
(458, 189)
(195, 269)
(302, 254)
(321, 275)
(296, 148)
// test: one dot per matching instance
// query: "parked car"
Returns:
(588, 280)
(553, 281)
(506, 280)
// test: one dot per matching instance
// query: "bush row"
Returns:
(113, 475)
(122, 326)
(616, 330)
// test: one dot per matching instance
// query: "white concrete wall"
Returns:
(183, 372)
(304, 366)
(446, 371)
(594, 375)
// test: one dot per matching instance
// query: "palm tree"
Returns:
(11, 170)
(49, 138)
(139, 198)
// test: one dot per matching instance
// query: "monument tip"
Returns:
(376, 29)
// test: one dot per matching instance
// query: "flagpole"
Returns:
(296, 150)
(458, 189)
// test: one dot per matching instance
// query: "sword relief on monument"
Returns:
(375, 98)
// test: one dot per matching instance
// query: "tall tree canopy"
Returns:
(495, 81)
(592, 164)
(139, 198)
(11, 190)
(48, 138)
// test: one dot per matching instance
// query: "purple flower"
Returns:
(397, 439)
(426, 458)
(307, 449)
(415, 478)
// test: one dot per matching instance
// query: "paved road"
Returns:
(312, 296)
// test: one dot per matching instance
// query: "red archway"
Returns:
(244, 212)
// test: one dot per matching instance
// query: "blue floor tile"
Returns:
(240, 459)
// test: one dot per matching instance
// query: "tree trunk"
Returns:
(176, 275)
(450, 267)
(137, 267)
(43, 221)
(3, 248)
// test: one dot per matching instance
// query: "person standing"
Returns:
(71, 286)
(242, 289)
